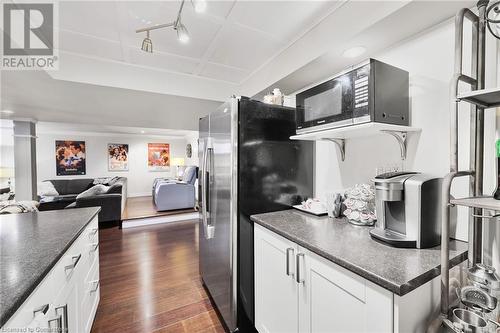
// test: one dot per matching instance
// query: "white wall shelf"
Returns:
(486, 98)
(341, 134)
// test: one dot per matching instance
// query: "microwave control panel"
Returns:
(361, 76)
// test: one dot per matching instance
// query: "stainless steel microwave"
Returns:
(370, 92)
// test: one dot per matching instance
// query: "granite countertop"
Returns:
(395, 269)
(30, 245)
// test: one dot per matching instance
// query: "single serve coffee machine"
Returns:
(408, 209)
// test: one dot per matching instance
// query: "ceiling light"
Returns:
(142, 132)
(7, 111)
(147, 44)
(199, 5)
(182, 33)
(354, 52)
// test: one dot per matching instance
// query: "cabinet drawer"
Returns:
(71, 264)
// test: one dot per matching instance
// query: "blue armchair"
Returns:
(171, 195)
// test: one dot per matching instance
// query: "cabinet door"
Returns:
(333, 299)
(276, 302)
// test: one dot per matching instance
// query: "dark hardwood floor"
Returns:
(150, 281)
(141, 207)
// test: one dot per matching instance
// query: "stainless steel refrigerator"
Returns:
(248, 165)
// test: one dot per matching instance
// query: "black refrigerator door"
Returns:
(274, 174)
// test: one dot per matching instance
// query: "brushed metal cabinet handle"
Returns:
(94, 247)
(93, 232)
(64, 321)
(299, 277)
(43, 309)
(75, 259)
(58, 320)
(288, 251)
(96, 283)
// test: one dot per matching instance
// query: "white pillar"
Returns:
(25, 160)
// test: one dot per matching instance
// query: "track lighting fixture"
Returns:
(181, 30)
(147, 44)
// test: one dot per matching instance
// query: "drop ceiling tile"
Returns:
(219, 9)
(162, 61)
(219, 72)
(90, 46)
(96, 18)
(244, 48)
(281, 19)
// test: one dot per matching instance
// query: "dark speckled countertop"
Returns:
(30, 245)
(395, 269)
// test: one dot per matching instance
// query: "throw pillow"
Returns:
(101, 180)
(14, 207)
(94, 190)
(105, 180)
(46, 188)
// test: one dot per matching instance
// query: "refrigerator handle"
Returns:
(209, 230)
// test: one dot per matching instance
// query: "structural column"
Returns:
(25, 160)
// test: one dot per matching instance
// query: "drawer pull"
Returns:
(94, 247)
(43, 309)
(58, 320)
(299, 277)
(75, 259)
(288, 251)
(96, 286)
(93, 232)
(64, 320)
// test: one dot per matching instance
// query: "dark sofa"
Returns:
(112, 202)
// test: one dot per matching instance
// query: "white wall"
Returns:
(428, 57)
(139, 178)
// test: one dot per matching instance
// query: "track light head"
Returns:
(182, 33)
(199, 5)
(147, 44)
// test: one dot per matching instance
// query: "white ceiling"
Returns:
(236, 47)
(35, 95)
(228, 42)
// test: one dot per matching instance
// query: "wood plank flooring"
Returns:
(150, 281)
(141, 207)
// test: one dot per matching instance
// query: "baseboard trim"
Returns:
(159, 219)
(135, 195)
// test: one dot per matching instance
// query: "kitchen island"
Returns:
(48, 263)
(329, 270)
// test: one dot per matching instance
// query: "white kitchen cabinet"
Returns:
(333, 299)
(276, 292)
(66, 300)
(314, 295)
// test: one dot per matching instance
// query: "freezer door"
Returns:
(219, 243)
(204, 129)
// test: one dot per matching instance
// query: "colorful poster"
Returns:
(70, 158)
(158, 156)
(117, 157)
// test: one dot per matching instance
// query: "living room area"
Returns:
(136, 175)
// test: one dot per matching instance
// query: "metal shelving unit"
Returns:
(485, 98)
(480, 99)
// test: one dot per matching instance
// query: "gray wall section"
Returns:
(25, 160)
